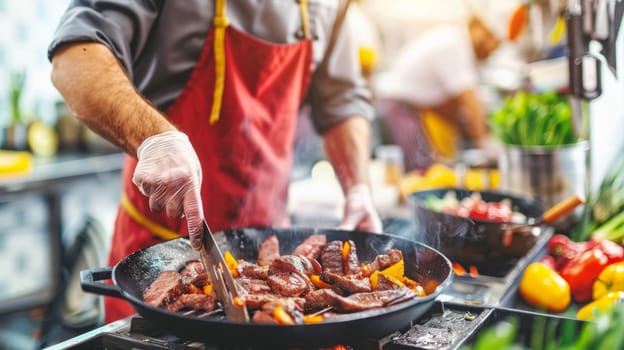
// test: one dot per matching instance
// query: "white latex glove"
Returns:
(359, 211)
(169, 173)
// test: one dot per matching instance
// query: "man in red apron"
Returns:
(221, 150)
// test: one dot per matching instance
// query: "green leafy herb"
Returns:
(531, 119)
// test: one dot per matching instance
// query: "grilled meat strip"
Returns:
(332, 259)
(251, 270)
(164, 290)
(289, 275)
(204, 302)
(383, 261)
(291, 306)
(311, 247)
(348, 284)
(253, 285)
(256, 301)
(322, 298)
(268, 251)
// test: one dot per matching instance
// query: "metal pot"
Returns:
(136, 272)
(549, 174)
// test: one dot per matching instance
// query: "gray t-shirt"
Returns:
(158, 42)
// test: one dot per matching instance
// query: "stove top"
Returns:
(443, 327)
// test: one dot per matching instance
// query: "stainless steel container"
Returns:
(549, 174)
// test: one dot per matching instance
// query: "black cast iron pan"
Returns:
(474, 242)
(136, 272)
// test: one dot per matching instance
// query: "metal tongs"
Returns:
(221, 278)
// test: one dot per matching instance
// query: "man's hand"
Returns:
(359, 211)
(169, 173)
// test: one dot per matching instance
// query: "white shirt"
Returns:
(435, 66)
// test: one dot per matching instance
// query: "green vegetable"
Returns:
(604, 331)
(605, 203)
(531, 119)
(612, 230)
(500, 336)
(449, 200)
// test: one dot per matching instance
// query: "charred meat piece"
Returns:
(194, 273)
(254, 285)
(383, 261)
(373, 300)
(352, 263)
(193, 301)
(268, 251)
(287, 305)
(204, 302)
(198, 281)
(257, 300)
(322, 298)
(311, 247)
(349, 284)
(251, 270)
(289, 275)
(190, 288)
(192, 269)
(164, 290)
(295, 263)
(331, 258)
(262, 316)
(386, 283)
(289, 284)
(334, 260)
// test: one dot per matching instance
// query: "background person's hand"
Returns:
(169, 173)
(359, 211)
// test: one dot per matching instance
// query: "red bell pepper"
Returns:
(612, 250)
(563, 249)
(549, 261)
(583, 269)
(581, 272)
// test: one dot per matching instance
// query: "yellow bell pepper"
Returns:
(600, 305)
(611, 279)
(396, 270)
(231, 262)
(543, 287)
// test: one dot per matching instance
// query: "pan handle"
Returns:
(89, 282)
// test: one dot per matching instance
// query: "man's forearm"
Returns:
(347, 146)
(99, 93)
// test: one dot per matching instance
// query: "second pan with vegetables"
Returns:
(470, 227)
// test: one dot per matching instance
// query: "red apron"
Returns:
(245, 155)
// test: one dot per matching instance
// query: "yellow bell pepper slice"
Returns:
(231, 262)
(282, 316)
(374, 279)
(396, 270)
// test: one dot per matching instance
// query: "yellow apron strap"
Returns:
(303, 7)
(155, 228)
(220, 22)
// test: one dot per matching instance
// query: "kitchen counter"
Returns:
(49, 171)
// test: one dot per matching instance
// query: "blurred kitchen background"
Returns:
(59, 183)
